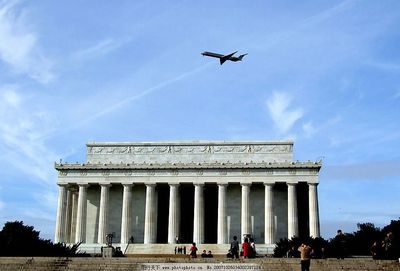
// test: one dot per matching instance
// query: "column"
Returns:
(313, 210)
(74, 210)
(245, 216)
(126, 213)
(269, 225)
(103, 213)
(150, 221)
(61, 214)
(68, 217)
(198, 220)
(292, 211)
(80, 234)
(173, 215)
(221, 225)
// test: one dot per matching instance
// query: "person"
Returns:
(193, 251)
(229, 254)
(235, 248)
(209, 254)
(252, 248)
(305, 251)
(377, 250)
(176, 250)
(340, 241)
(131, 239)
(204, 254)
(177, 239)
(184, 250)
(246, 248)
(388, 246)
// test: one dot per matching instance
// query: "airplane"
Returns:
(223, 58)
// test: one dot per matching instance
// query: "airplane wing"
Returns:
(226, 57)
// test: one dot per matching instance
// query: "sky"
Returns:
(325, 74)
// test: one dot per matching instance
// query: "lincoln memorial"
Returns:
(197, 191)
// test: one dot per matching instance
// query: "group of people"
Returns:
(193, 252)
(384, 249)
(180, 250)
(248, 248)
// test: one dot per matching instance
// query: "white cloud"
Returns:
(22, 129)
(309, 129)
(283, 117)
(18, 46)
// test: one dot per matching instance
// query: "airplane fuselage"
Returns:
(224, 58)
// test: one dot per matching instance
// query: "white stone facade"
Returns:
(201, 191)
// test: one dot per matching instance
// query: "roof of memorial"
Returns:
(192, 165)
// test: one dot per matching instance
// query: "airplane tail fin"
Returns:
(241, 56)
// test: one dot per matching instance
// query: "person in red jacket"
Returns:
(246, 248)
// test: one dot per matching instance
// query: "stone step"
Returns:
(167, 249)
(271, 264)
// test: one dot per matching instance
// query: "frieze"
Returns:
(286, 148)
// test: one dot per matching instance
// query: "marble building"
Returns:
(200, 191)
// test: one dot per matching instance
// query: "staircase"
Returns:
(168, 249)
(171, 263)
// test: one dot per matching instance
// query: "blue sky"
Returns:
(322, 73)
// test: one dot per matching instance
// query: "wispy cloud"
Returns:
(283, 116)
(374, 170)
(385, 66)
(309, 129)
(21, 131)
(19, 47)
(127, 100)
(101, 48)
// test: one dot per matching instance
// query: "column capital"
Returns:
(269, 184)
(198, 184)
(127, 184)
(151, 184)
(173, 184)
(291, 184)
(63, 185)
(105, 184)
(222, 184)
(314, 184)
(245, 184)
(83, 185)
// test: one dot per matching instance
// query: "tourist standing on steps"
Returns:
(340, 244)
(305, 251)
(193, 251)
(246, 248)
(235, 248)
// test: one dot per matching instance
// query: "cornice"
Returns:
(192, 165)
